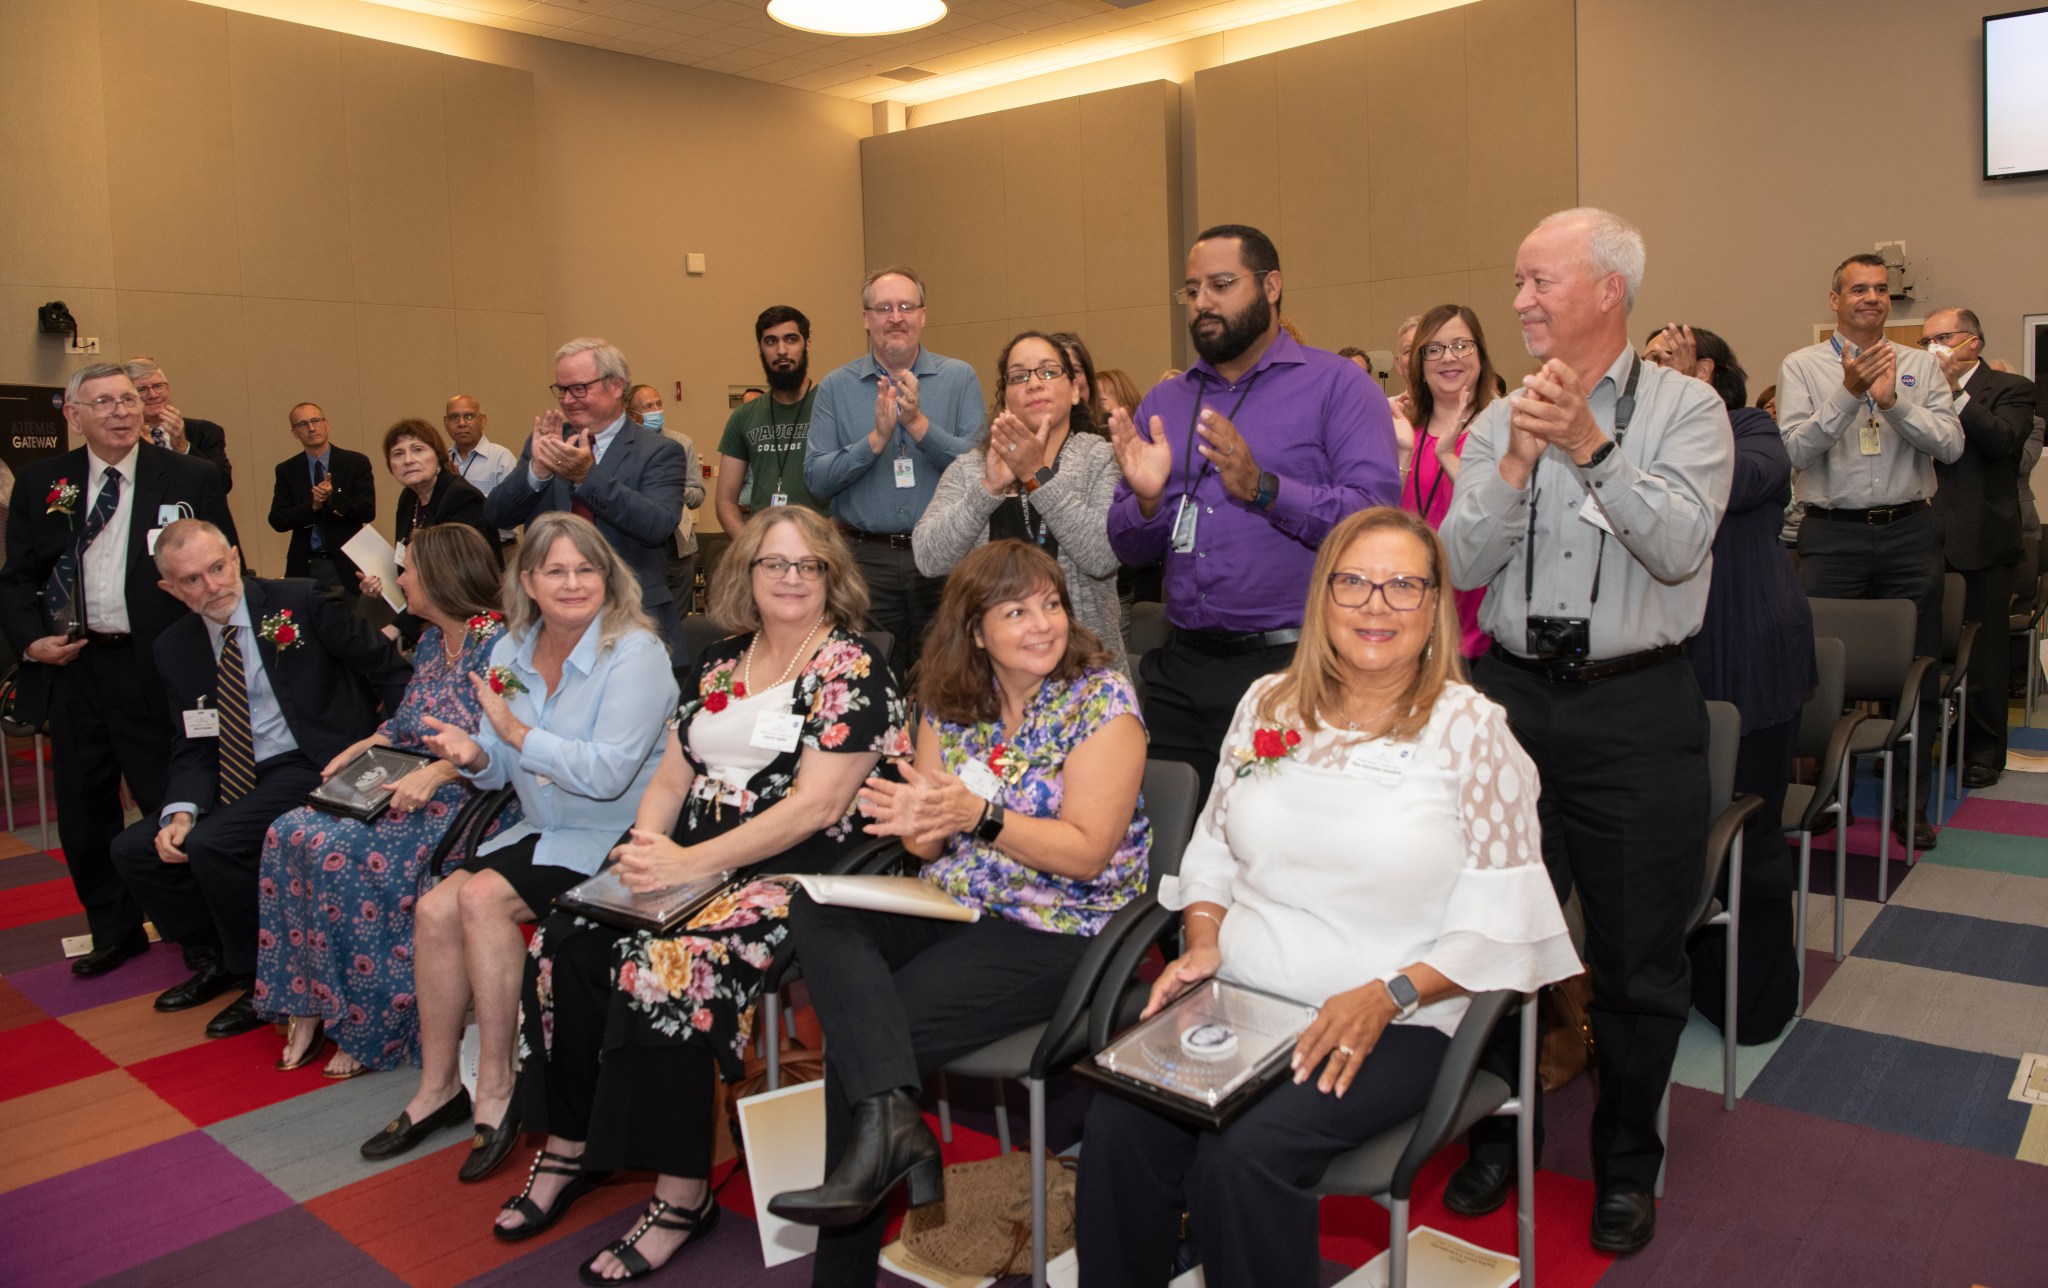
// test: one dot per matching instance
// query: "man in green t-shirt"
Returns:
(763, 446)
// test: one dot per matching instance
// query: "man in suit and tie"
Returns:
(1978, 502)
(324, 495)
(80, 604)
(169, 428)
(269, 681)
(590, 458)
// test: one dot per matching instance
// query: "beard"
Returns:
(1238, 333)
(787, 380)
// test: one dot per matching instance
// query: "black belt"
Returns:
(1234, 643)
(1876, 516)
(104, 640)
(893, 540)
(1574, 671)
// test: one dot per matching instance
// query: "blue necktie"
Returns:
(64, 580)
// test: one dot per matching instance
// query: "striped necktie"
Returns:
(237, 745)
(66, 584)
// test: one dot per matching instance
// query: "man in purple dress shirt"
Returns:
(1248, 458)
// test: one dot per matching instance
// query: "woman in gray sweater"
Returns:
(1040, 477)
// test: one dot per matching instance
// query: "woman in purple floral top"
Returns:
(1023, 803)
(623, 1032)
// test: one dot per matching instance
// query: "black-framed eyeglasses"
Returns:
(777, 568)
(1434, 352)
(1953, 339)
(309, 422)
(1047, 373)
(1216, 287)
(579, 390)
(1403, 594)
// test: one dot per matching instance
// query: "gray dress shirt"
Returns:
(1823, 427)
(1662, 491)
(860, 486)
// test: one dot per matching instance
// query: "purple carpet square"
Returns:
(39, 943)
(59, 992)
(112, 1215)
(28, 869)
(292, 1246)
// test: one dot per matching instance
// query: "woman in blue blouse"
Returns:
(1023, 802)
(575, 704)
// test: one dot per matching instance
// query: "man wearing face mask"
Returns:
(1243, 462)
(643, 404)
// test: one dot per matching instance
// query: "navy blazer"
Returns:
(635, 496)
(352, 504)
(329, 683)
(35, 537)
(455, 500)
(1978, 496)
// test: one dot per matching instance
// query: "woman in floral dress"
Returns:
(623, 1032)
(334, 951)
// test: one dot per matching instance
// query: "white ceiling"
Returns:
(979, 43)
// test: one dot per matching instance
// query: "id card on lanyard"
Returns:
(1870, 434)
(1185, 514)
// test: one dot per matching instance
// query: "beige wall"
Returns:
(1057, 216)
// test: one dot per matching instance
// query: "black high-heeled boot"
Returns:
(889, 1145)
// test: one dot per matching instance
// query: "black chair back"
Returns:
(1877, 635)
(1169, 790)
(1823, 709)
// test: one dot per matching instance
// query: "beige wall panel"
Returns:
(1390, 303)
(1522, 158)
(1331, 317)
(1491, 294)
(974, 343)
(492, 177)
(1140, 340)
(29, 357)
(398, 184)
(966, 257)
(53, 127)
(1237, 168)
(1130, 196)
(298, 351)
(1416, 215)
(198, 340)
(1049, 323)
(408, 365)
(291, 160)
(170, 146)
(1325, 163)
(1041, 228)
(501, 360)
(897, 224)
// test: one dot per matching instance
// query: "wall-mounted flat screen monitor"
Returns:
(2016, 94)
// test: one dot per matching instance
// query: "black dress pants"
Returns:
(109, 721)
(901, 600)
(214, 894)
(1190, 696)
(1623, 765)
(1245, 1187)
(1987, 598)
(901, 996)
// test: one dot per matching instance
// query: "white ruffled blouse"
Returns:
(1349, 859)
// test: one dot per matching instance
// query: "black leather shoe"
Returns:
(1924, 834)
(237, 1018)
(101, 960)
(490, 1147)
(1477, 1188)
(208, 983)
(402, 1134)
(890, 1144)
(1975, 777)
(1624, 1221)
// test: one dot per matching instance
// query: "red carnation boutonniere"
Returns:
(485, 625)
(1269, 747)
(721, 686)
(63, 498)
(1007, 763)
(280, 630)
(502, 681)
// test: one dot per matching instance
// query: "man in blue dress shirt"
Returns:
(883, 429)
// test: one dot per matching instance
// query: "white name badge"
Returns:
(1870, 439)
(1591, 513)
(1381, 761)
(166, 515)
(398, 555)
(1184, 526)
(906, 472)
(777, 730)
(777, 499)
(202, 723)
(149, 540)
(977, 777)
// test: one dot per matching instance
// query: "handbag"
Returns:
(984, 1226)
(1564, 1015)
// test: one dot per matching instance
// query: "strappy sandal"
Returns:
(538, 1219)
(660, 1214)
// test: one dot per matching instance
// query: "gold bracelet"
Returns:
(1199, 912)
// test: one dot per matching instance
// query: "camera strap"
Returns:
(1624, 412)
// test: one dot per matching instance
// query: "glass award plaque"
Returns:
(1207, 1056)
(362, 790)
(606, 898)
(64, 604)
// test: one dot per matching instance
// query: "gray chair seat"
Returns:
(1005, 1058)
(1369, 1169)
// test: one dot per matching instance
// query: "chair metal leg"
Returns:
(1962, 735)
(1884, 828)
(1663, 1135)
(1734, 943)
(1941, 765)
(1842, 855)
(1002, 1119)
(771, 1012)
(946, 1108)
(1397, 1245)
(1036, 1090)
(1912, 799)
(1799, 925)
(2033, 666)
(1525, 1145)
(7, 780)
(42, 792)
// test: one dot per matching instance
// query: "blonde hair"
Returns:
(1313, 684)
(732, 603)
(622, 613)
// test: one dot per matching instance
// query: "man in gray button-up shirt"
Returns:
(883, 429)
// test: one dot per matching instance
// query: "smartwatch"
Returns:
(991, 825)
(1269, 490)
(1599, 455)
(1038, 480)
(1406, 1000)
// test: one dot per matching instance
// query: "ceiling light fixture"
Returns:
(856, 17)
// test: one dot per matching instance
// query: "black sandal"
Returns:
(537, 1219)
(665, 1215)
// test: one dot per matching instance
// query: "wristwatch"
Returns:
(1038, 480)
(1599, 455)
(1269, 490)
(1406, 999)
(991, 825)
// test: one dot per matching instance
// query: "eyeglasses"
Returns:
(580, 390)
(1403, 594)
(777, 569)
(558, 575)
(889, 310)
(462, 417)
(107, 402)
(1216, 287)
(154, 387)
(1021, 376)
(309, 422)
(1953, 339)
(1434, 352)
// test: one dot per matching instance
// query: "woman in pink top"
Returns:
(1450, 380)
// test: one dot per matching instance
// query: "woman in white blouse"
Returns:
(1375, 853)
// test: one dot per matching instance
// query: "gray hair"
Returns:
(1613, 245)
(611, 364)
(622, 613)
(1414, 320)
(91, 371)
(137, 368)
(903, 271)
(180, 533)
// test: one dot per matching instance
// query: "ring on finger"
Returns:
(1346, 1051)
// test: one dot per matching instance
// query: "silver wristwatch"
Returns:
(1406, 999)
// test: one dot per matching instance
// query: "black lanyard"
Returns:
(1187, 455)
(781, 456)
(1624, 412)
(1422, 507)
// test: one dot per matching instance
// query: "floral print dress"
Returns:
(701, 982)
(335, 896)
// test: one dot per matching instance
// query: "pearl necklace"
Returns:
(747, 673)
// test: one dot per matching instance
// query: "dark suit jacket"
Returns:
(455, 500)
(209, 442)
(35, 537)
(635, 495)
(1978, 496)
(352, 504)
(329, 683)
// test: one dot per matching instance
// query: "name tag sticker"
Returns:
(398, 554)
(1870, 438)
(977, 777)
(1591, 513)
(776, 499)
(168, 514)
(1381, 761)
(906, 472)
(777, 730)
(149, 540)
(1184, 526)
(202, 723)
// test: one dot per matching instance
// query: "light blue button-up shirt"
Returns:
(841, 468)
(592, 747)
(268, 731)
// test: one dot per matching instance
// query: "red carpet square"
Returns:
(221, 1078)
(35, 1057)
(43, 901)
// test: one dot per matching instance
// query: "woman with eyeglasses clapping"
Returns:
(1450, 381)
